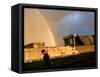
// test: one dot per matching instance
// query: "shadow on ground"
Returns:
(74, 61)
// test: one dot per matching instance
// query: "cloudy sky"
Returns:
(50, 26)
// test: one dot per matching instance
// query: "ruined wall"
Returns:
(34, 54)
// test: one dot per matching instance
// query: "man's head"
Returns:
(43, 52)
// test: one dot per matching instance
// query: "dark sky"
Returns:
(63, 23)
(70, 21)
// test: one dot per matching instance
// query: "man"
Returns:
(46, 58)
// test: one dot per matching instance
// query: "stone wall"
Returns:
(34, 54)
